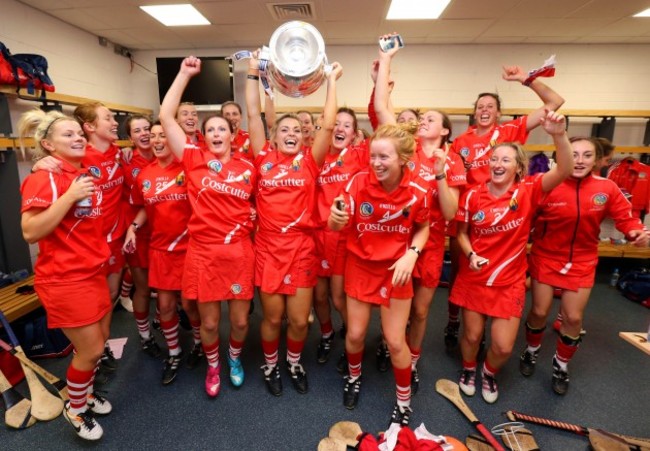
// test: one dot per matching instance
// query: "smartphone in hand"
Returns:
(391, 42)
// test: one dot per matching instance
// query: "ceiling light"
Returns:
(416, 9)
(176, 15)
(645, 13)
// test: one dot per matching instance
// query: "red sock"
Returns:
(403, 384)
(196, 330)
(170, 332)
(234, 348)
(127, 284)
(471, 366)
(142, 321)
(294, 350)
(212, 353)
(566, 347)
(489, 369)
(534, 336)
(78, 382)
(326, 328)
(270, 349)
(415, 356)
(354, 363)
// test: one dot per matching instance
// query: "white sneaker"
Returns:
(98, 404)
(84, 424)
(126, 303)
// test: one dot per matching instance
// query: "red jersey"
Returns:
(241, 144)
(424, 169)
(163, 193)
(568, 220)
(381, 223)
(498, 230)
(131, 171)
(632, 176)
(220, 195)
(336, 172)
(286, 190)
(108, 170)
(475, 150)
(77, 248)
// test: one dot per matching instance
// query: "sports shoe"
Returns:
(126, 303)
(490, 391)
(467, 382)
(170, 369)
(560, 381)
(155, 324)
(98, 404)
(108, 361)
(527, 362)
(83, 423)
(351, 392)
(150, 347)
(401, 415)
(415, 381)
(212, 381)
(342, 364)
(195, 357)
(272, 379)
(298, 377)
(324, 348)
(383, 357)
(236, 372)
(451, 335)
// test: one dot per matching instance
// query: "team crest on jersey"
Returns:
(95, 172)
(180, 179)
(599, 199)
(339, 161)
(235, 288)
(383, 292)
(135, 172)
(295, 164)
(146, 186)
(411, 165)
(464, 152)
(366, 209)
(406, 211)
(479, 216)
(514, 205)
(215, 166)
(266, 167)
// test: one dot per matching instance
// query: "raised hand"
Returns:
(553, 123)
(514, 73)
(191, 66)
(336, 72)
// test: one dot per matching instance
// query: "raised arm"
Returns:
(447, 196)
(269, 112)
(555, 125)
(176, 137)
(323, 137)
(256, 131)
(552, 100)
(383, 106)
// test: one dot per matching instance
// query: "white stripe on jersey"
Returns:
(498, 217)
(176, 241)
(469, 196)
(286, 228)
(398, 213)
(55, 194)
(232, 232)
(566, 268)
(111, 171)
(500, 268)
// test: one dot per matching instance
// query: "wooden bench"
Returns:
(15, 305)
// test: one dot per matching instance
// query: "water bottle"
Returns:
(615, 276)
(84, 206)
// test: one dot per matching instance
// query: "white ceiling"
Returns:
(248, 23)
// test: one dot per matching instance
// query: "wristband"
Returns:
(253, 77)
(441, 176)
(135, 225)
(415, 249)
(470, 254)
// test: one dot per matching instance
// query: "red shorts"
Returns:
(219, 272)
(140, 257)
(558, 274)
(75, 304)
(429, 267)
(166, 269)
(503, 301)
(331, 248)
(371, 281)
(116, 260)
(285, 262)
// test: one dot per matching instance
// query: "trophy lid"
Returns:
(297, 48)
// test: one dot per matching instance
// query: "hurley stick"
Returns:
(18, 414)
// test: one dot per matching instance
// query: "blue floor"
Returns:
(610, 389)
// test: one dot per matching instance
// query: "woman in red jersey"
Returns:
(219, 263)
(160, 193)
(494, 221)
(342, 161)
(565, 254)
(387, 214)
(61, 212)
(444, 173)
(286, 266)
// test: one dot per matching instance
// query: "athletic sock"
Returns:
(354, 363)
(489, 370)
(566, 348)
(142, 321)
(415, 356)
(403, 385)
(212, 353)
(78, 382)
(469, 366)
(326, 329)
(234, 348)
(270, 349)
(127, 284)
(170, 332)
(534, 338)
(196, 331)
(294, 350)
